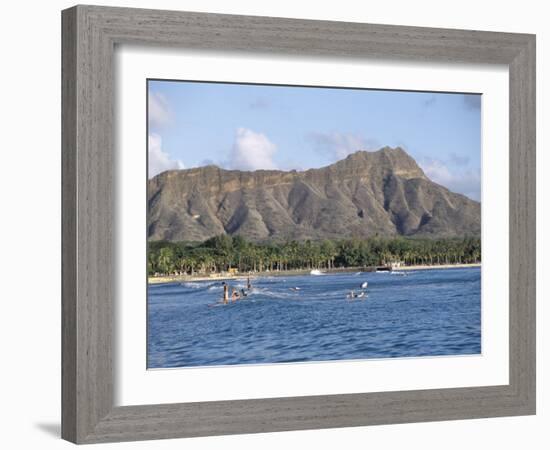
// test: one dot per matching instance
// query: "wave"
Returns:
(194, 285)
(273, 294)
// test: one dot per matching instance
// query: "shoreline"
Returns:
(290, 273)
(439, 266)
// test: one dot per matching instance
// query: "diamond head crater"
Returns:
(370, 209)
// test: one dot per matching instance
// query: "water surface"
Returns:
(414, 313)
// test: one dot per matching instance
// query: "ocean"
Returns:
(309, 318)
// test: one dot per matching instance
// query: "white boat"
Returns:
(316, 272)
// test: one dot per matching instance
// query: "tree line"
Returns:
(224, 252)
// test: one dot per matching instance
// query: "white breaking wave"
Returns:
(193, 285)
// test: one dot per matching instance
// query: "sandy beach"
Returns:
(289, 273)
(439, 266)
(226, 276)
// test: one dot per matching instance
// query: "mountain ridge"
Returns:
(383, 192)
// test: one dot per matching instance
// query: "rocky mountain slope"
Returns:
(383, 192)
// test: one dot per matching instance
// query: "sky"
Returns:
(249, 127)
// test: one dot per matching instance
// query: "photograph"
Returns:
(258, 225)
(295, 224)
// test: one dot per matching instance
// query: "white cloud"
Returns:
(467, 182)
(459, 160)
(159, 161)
(252, 151)
(339, 145)
(160, 113)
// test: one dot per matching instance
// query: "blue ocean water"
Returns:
(414, 313)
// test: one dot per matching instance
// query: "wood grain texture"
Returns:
(89, 37)
(68, 226)
(522, 224)
(88, 209)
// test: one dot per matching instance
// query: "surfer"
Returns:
(235, 295)
(225, 299)
(225, 293)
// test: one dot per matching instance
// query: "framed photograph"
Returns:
(278, 224)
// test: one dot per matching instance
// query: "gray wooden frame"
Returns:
(89, 37)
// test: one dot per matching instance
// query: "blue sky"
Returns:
(251, 127)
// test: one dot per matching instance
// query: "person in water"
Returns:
(225, 293)
(248, 284)
(235, 295)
